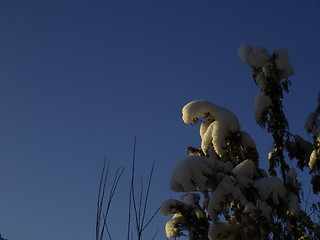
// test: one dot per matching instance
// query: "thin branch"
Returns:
(108, 232)
(140, 204)
(111, 195)
(151, 218)
(305, 208)
(131, 192)
(154, 236)
(101, 194)
(147, 195)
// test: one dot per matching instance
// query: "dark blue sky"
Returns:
(79, 79)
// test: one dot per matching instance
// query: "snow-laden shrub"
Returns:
(226, 194)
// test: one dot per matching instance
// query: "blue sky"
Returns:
(79, 79)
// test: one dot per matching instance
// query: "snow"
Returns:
(265, 210)
(219, 123)
(314, 157)
(223, 230)
(177, 208)
(204, 127)
(246, 140)
(309, 125)
(270, 187)
(244, 52)
(253, 56)
(191, 173)
(244, 172)
(191, 199)
(220, 131)
(207, 139)
(225, 192)
(291, 177)
(247, 143)
(312, 122)
(262, 104)
(259, 57)
(242, 181)
(172, 226)
(293, 205)
(249, 208)
(261, 81)
(283, 62)
(242, 194)
(246, 168)
(198, 109)
(282, 59)
(170, 207)
(288, 71)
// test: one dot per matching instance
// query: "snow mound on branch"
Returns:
(250, 208)
(224, 193)
(270, 187)
(219, 124)
(173, 226)
(309, 125)
(216, 135)
(314, 158)
(224, 230)
(246, 168)
(311, 121)
(201, 108)
(259, 57)
(192, 199)
(246, 140)
(293, 205)
(262, 105)
(283, 62)
(254, 56)
(291, 177)
(265, 210)
(189, 205)
(170, 207)
(261, 81)
(248, 146)
(191, 173)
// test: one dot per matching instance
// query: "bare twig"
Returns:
(147, 195)
(138, 207)
(103, 214)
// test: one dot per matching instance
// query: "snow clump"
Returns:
(224, 230)
(314, 158)
(262, 104)
(259, 57)
(254, 56)
(270, 188)
(224, 193)
(219, 124)
(246, 169)
(283, 62)
(172, 226)
(192, 173)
